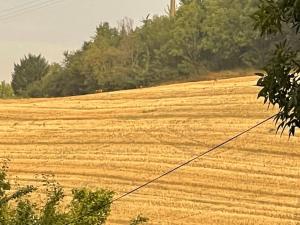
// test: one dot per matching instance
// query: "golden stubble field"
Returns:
(120, 140)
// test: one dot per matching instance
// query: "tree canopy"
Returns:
(281, 82)
(27, 73)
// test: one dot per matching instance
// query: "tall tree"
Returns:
(188, 36)
(30, 69)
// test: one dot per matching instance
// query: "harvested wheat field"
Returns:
(120, 140)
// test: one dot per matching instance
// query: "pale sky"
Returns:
(59, 27)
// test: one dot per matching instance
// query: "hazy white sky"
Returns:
(63, 26)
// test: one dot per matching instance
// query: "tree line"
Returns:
(202, 36)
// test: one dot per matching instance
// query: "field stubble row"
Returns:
(119, 140)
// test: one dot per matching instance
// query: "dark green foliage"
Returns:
(4, 184)
(281, 82)
(30, 70)
(53, 83)
(272, 14)
(24, 214)
(185, 46)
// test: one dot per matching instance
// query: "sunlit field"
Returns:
(121, 139)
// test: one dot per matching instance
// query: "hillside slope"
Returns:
(119, 140)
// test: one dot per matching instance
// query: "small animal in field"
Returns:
(99, 91)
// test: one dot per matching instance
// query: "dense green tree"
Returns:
(30, 69)
(187, 38)
(281, 82)
(155, 62)
(53, 82)
(95, 65)
(227, 32)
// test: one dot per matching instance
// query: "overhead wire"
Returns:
(24, 10)
(29, 8)
(186, 162)
(190, 141)
(191, 160)
(17, 7)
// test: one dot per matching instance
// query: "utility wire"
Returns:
(23, 10)
(184, 163)
(191, 160)
(22, 7)
(18, 7)
(8, 16)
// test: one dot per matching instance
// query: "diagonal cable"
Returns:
(48, 3)
(183, 164)
(191, 160)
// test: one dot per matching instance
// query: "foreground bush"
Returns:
(86, 207)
